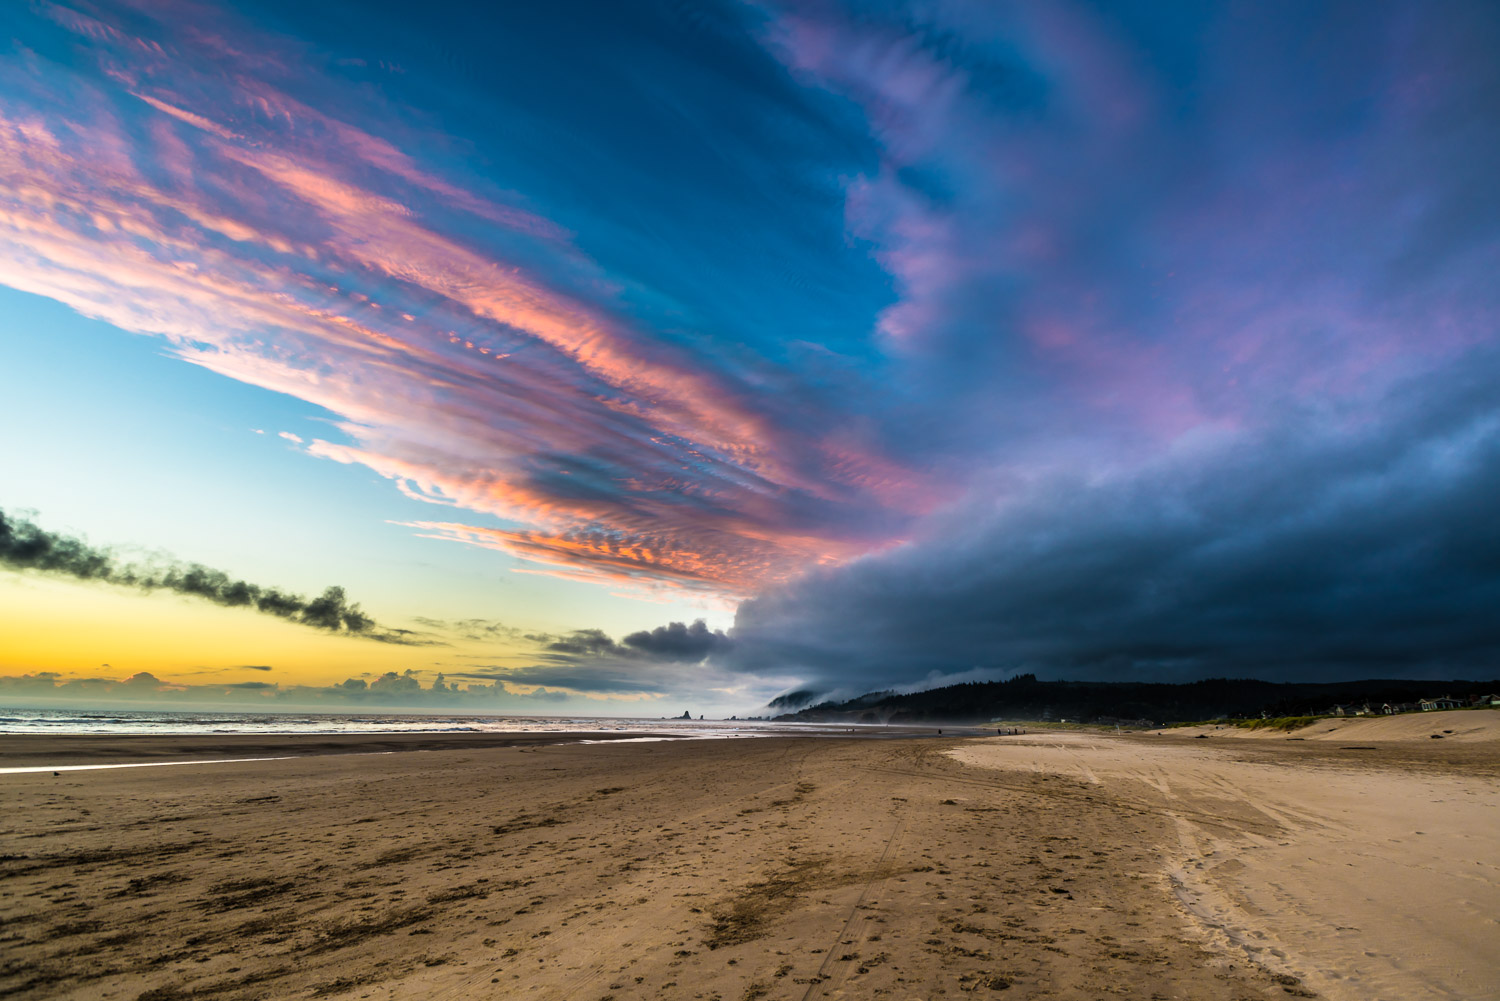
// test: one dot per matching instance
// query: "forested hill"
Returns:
(1025, 698)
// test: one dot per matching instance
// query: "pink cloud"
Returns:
(289, 248)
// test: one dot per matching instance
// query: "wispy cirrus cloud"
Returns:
(176, 186)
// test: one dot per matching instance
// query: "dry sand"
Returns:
(1041, 866)
(1464, 726)
(1368, 871)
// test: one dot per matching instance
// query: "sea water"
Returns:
(156, 722)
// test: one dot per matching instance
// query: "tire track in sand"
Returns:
(854, 929)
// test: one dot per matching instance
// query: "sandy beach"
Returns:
(1052, 865)
(1366, 871)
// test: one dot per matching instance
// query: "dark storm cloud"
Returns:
(1370, 548)
(674, 642)
(667, 659)
(584, 643)
(24, 546)
(678, 642)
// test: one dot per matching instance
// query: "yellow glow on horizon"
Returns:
(74, 628)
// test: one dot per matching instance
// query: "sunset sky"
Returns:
(898, 343)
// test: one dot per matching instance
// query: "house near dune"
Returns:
(1431, 705)
(1370, 709)
(1396, 708)
(1484, 700)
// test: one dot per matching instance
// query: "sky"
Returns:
(638, 358)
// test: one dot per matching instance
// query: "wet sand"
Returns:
(72, 750)
(737, 869)
(39, 750)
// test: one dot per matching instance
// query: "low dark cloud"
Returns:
(1342, 545)
(25, 546)
(583, 643)
(673, 658)
(678, 642)
(675, 642)
(794, 700)
(255, 667)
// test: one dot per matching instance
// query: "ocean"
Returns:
(154, 722)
